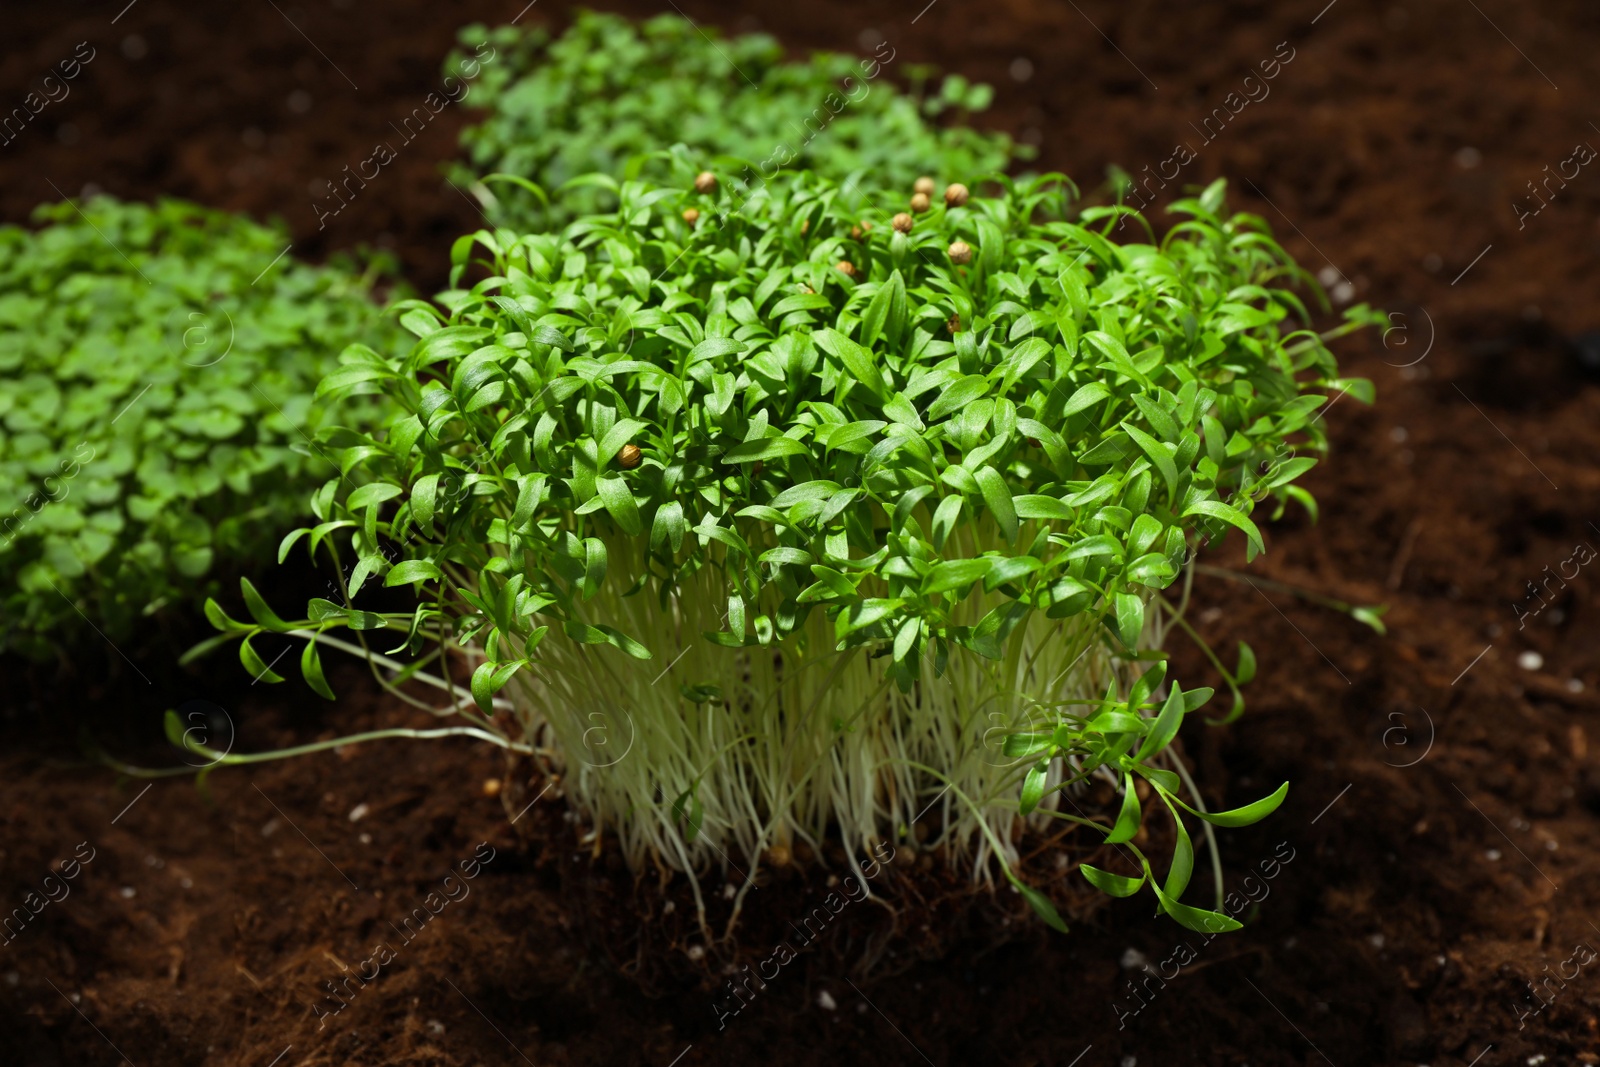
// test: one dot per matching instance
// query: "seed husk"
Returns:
(691, 216)
(846, 268)
(902, 222)
(704, 182)
(960, 253)
(923, 185)
(629, 457)
(956, 194)
(920, 203)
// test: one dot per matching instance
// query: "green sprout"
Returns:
(815, 505)
(607, 92)
(160, 363)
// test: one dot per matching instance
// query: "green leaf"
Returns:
(1245, 816)
(667, 529)
(374, 493)
(487, 680)
(219, 618)
(1160, 456)
(1165, 727)
(259, 610)
(1130, 618)
(409, 571)
(1084, 397)
(687, 809)
(1182, 868)
(766, 448)
(311, 669)
(1197, 919)
(1371, 615)
(1033, 786)
(857, 360)
(1034, 506)
(955, 574)
(594, 565)
(958, 396)
(1130, 818)
(618, 498)
(998, 499)
(1215, 509)
(1041, 905)
(1247, 664)
(1028, 744)
(259, 671)
(1113, 884)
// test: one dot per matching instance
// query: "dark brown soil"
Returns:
(1446, 802)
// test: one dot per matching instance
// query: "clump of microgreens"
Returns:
(160, 363)
(607, 92)
(816, 492)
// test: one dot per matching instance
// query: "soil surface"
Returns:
(1437, 853)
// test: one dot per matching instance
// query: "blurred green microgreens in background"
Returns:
(159, 363)
(608, 90)
(810, 503)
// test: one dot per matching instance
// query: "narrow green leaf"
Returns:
(1129, 818)
(857, 360)
(1165, 727)
(1033, 786)
(998, 499)
(766, 448)
(618, 498)
(1116, 885)
(259, 671)
(1041, 906)
(259, 609)
(1245, 816)
(311, 669)
(1215, 509)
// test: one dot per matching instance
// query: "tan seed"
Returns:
(956, 194)
(847, 268)
(954, 325)
(902, 222)
(629, 457)
(923, 185)
(691, 216)
(960, 253)
(805, 227)
(920, 203)
(491, 787)
(704, 182)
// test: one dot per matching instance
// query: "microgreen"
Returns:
(159, 363)
(608, 91)
(815, 533)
